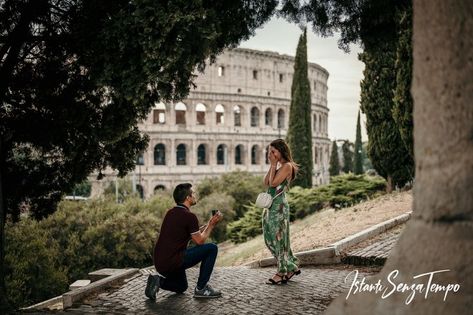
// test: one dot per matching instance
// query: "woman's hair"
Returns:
(283, 148)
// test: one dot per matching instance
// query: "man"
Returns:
(171, 256)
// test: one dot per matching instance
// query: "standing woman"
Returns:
(276, 219)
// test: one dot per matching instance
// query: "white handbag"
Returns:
(264, 200)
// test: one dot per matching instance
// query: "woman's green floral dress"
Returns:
(276, 230)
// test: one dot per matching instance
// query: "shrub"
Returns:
(343, 191)
(100, 233)
(242, 186)
(220, 201)
(246, 227)
(33, 271)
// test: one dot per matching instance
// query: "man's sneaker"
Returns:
(152, 286)
(207, 292)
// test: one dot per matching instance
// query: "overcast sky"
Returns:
(345, 71)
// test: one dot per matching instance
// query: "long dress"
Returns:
(276, 230)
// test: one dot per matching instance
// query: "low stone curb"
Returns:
(45, 304)
(70, 297)
(332, 254)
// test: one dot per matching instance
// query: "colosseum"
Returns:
(239, 105)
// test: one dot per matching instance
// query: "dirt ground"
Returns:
(322, 228)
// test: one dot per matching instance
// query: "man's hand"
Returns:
(199, 238)
(216, 218)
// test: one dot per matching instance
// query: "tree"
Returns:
(358, 168)
(334, 168)
(77, 76)
(385, 147)
(441, 232)
(347, 156)
(299, 134)
(403, 103)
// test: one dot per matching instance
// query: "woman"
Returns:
(276, 219)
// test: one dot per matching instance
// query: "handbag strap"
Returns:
(278, 194)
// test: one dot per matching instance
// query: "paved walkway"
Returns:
(244, 292)
(373, 251)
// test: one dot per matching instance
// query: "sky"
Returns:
(345, 71)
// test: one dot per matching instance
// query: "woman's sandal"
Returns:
(294, 273)
(282, 281)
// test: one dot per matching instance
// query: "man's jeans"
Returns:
(176, 281)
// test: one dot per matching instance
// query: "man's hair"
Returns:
(181, 192)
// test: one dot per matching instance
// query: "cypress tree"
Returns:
(334, 168)
(299, 134)
(347, 157)
(386, 149)
(358, 149)
(403, 103)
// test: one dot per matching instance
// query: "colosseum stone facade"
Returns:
(240, 104)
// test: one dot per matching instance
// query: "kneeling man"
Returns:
(171, 256)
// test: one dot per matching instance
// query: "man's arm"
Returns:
(201, 236)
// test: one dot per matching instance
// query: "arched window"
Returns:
(180, 109)
(316, 160)
(181, 154)
(159, 113)
(237, 115)
(200, 113)
(159, 188)
(140, 191)
(266, 160)
(254, 155)
(140, 160)
(268, 117)
(239, 154)
(281, 118)
(222, 154)
(315, 123)
(220, 113)
(160, 154)
(201, 155)
(254, 117)
(320, 123)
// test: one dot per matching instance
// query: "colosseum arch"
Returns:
(237, 119)
(254, 117)
(160, 154)
(281, 119)
(222, 154)
(181, 154)
(180, 108)
(239, 154)
(159, 188)
(200, 110)
(159, 113)
(255, 155)
(219, 114)
(268, 117)
(202, 155)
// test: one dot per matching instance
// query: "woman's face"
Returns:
(275, 152)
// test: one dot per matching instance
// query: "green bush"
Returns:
(99, 234)
(246, 227)
(343, 191)
(220, 201)
(33, 271)
(242, 186)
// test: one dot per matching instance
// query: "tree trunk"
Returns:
(389, 184)
(440, 234)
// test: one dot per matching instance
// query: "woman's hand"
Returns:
(272, 159)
